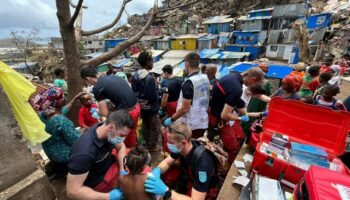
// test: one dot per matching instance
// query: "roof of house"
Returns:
(229, 55)
(207, 53)
(151, 37)
(218, 19)
(123, 62)
(155, 53)
(209, 37)
(256, 18)
(157, 67)
(176, 54)
(191, 36)
(261, 10)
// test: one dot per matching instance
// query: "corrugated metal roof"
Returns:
(22, 65)
(93, 55)
(157, 67)
(218, 19)
(155, 53)
(123, 62)
(176, 54)
(257, 18)
(209, 37)
(207, 53)
(260, 10)
(229, 55)
(191, 36)
(150, 37)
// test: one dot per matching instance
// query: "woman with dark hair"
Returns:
(310, 82)
(62, 130)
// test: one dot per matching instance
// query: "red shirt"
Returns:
(85, 117)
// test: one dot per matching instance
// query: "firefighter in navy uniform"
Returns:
(197, 164)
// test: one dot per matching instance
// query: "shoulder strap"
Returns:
(220, 88)
(198, 153)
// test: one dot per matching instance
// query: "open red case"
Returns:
(302, 123)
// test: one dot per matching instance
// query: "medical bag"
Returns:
(320, 183)
(301, 123)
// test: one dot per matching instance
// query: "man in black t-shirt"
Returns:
(93, 165)
(171, 91)
(118, 91)
(226, 99)
(197, 164)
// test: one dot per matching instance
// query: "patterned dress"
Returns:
(63, 136)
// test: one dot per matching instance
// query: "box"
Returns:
(308, 151)
(302, 123)
(320, 183)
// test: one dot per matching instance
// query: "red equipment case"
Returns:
(303, 123)
(321, 183)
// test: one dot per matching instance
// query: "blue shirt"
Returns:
(63, 136)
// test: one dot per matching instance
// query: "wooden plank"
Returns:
(16, 159)
(228, 190)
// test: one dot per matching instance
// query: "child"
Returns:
(328, 100)
(86, 117)
(132, 184)
(298, 69)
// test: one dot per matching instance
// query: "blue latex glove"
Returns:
(93, 110)
(161, 112)
(264, 114)
(168, 121)
(123, 172)
(156, 172)
(155, 185)
(244, 118)
(116, 194)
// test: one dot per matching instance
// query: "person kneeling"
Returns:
(200, 168)
(93, 164)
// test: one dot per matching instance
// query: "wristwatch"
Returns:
(167, 194)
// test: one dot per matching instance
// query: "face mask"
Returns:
(172, 148)
(116, 140)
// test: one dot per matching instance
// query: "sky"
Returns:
(24, 15)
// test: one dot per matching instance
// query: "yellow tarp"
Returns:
(18, 89)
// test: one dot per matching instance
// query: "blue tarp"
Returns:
(223, 70)
(246, 38)
(275, 71)
(122, 63)
(181, 65)
(279, 71)
(207, 53)
(319, 21)
(242, 67)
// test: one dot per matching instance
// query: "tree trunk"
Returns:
(71, 55)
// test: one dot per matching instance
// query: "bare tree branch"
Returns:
(76, 12)
(104, 28)
(170, 26)
(75, 6)
(120, 48)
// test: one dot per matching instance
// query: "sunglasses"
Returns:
(172, 130)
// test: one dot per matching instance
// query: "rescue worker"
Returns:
(196, 163)
(94, 166)
(118, 91)
(210, 71)
(193, 103)
(171, 91)
(226, 98)
(145, 89)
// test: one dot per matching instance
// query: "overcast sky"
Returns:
(41, 14)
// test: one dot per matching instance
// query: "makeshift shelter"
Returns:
(228, 58)
(218, 24)
(185, 42)
(207, 42)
